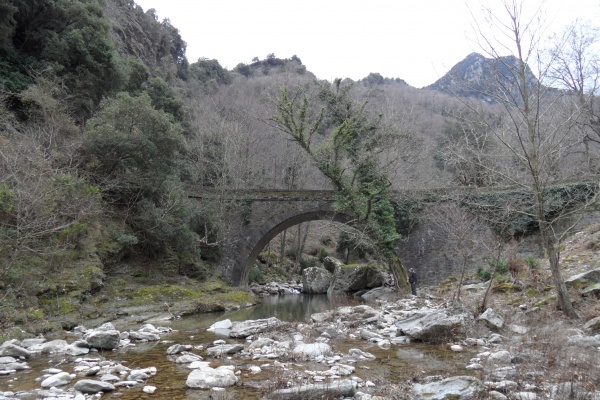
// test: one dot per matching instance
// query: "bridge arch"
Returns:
(258, 238)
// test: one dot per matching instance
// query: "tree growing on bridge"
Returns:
(540, 129)
(344, 141)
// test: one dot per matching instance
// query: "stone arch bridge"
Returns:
(257, 216)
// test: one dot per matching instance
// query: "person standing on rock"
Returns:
(412, 279)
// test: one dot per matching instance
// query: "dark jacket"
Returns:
(412, 277)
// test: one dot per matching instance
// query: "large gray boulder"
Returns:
(144, 336)
(434, 326)
(179, 348)
(243, 329)
(363, 313)
(224, 349)
(354, 278)
(315, 280)
(52, 347)
(381, 293)
(455, 387)
(593, 325)
(206, 378)
(330, 390)
(60, 379)
(106, 340)
(105, 337)
(92, 386)
(492, 320)
(312, 350)
(12, 349)
(584, 280)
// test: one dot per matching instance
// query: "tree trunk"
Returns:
(400, 275)
(563, 298)
(299, 245)
(304, 237)
(282, 247)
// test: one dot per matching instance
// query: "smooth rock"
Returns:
(243, 329)
(60, 379)
(459, 387)
(91, 386)
(207, 378)
(312, 350)
(178, 348)
(492, 319)
(334, 389)
(225, 324)
(223, 349)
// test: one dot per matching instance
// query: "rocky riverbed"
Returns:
(388, 348)
(331, 356)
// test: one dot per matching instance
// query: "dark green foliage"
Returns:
(271, 64)
(532, 262)
(134, 152)
(164, 98)
(69, 36)
(136, 74)
(499, 265)
(308, 263)
(374, 78)
(205, 70)
(243, 69)
(172, 44)
(140, 34)
(406, 215)
(257, 274)
(164, 219)
(494, 267)
(351, 245)
(131, 147)
(322, 254)
(484, 273)
(347, 156)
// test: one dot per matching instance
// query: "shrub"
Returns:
(484, 273)
(532, 262)
(500, 265)
(256, 275)
(309, 262)
(268, 257)
(322, 254)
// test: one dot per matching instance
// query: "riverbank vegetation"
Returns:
(105, 124)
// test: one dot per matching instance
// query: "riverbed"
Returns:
(394, 365)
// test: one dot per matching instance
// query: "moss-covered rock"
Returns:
(592, 325)
(584, 280)
(316, 280)
(506, 287)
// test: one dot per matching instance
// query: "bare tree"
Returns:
(577, 69)
(464, 232)
(539, 129)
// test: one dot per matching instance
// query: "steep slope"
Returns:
(483, 78)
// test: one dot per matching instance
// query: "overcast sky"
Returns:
(416, 40)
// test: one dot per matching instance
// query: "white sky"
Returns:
(415, 40)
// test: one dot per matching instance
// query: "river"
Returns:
(392, 366)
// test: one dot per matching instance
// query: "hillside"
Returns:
(104, 123)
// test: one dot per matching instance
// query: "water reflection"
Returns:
(288, 308)
(294, 307)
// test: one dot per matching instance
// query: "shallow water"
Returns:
(394, 365)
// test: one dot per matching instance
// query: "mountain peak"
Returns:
(479, 77)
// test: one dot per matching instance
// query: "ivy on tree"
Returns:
(344, 141)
